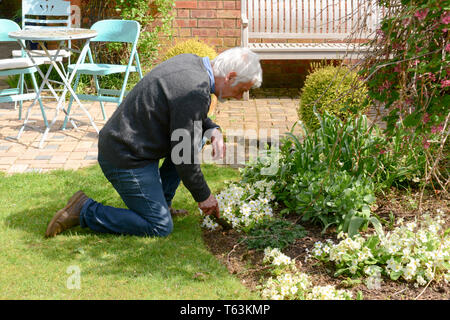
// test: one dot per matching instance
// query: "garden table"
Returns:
(59, 36)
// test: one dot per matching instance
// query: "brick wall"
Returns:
(214, 22)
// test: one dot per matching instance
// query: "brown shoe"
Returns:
(68, 217)
(177, 212)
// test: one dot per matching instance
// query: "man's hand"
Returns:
(210, 206)
(218, 147)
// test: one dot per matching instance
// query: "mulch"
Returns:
(247, 264)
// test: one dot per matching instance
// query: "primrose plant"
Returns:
(288, 283)
(417, 252)
(244, 205)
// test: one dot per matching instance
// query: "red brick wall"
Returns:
(214, 22)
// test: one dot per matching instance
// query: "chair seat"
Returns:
(41, 53)
(100, 69)
(19, 63)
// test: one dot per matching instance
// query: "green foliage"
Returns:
(408, 75)
(276, 233)
(193, 46)
(334, 89)
(417, 251)
(331, 175)
(327, 177)
(140, 11)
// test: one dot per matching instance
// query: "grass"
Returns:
(111, 267)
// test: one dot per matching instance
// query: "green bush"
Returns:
(335, 89)
(193, 46)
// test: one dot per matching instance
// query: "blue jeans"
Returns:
(147, 192)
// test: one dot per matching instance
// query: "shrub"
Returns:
(335, 89)
(193, 46)
(407, 74)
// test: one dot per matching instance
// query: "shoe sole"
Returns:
(58, 214)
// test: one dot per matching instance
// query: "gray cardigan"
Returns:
(171, 96)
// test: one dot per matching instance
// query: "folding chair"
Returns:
(48, 14)
(18, 66)
(124, 31)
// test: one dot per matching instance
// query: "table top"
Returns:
(53, 34)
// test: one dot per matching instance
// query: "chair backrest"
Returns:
(7, 26)
(116, 31)
(46, 14)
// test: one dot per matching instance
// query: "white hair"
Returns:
(242, 61)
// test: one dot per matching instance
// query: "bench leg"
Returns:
(246, 96)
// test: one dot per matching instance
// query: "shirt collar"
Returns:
(207, 64)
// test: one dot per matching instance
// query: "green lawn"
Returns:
(111, 267)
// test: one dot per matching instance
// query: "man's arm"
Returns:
(186, 120)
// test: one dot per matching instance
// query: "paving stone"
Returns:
(36, 170)
(59, 137)
(43, 157)
(90, 157)
(52, 146)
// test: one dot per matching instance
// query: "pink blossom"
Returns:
(421, 14)
(447, 47)
(426, 118)
(406, 22)
(409, 101)
(436, 129)
(397, 68)
(386, 85)
(425, 143)
(446, 18)
(430, 76)
(398, 46)
(445, 83)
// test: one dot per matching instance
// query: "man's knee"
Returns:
(164, 230)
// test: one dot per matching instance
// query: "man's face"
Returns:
(226, 90)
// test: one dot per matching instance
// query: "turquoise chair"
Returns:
(18, 66)
(125, 31)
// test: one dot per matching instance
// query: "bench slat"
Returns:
(329, 20)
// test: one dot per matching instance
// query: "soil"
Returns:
(247, 265)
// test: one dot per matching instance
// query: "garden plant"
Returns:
(334, 173)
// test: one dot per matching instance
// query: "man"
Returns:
(162, 112)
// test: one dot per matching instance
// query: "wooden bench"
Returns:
(307, 29)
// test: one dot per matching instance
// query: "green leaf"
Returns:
(395, 275)
(377, 225)
(340, 271)
(372, 242)
(355, 224)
